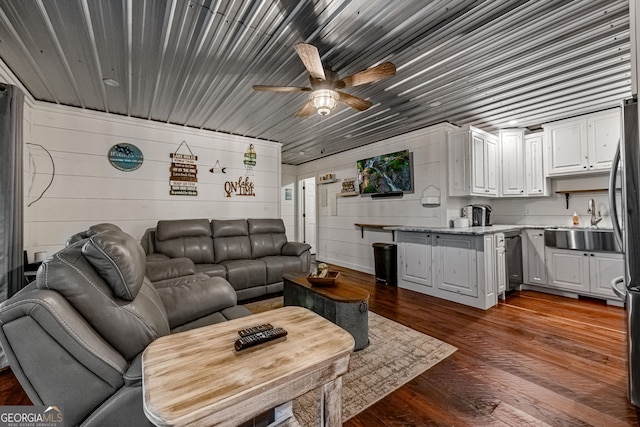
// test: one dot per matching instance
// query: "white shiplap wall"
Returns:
(288, 207)
(339, 240)
(87, 190)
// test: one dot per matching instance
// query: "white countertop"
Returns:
(476, 231)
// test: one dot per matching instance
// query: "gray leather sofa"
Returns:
(252, 254)
(75, 336)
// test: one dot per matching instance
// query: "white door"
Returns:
(603, 268)
(308, 212)
(415, 252)
(568, 269)
(604, 133)
(536, 271)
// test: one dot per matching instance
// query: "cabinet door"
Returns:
(536, 268)
(501, 269)
(415, 252)
(568, 270)
(536, 183)
(567, 142)
(478, 164)
(603, 135)
(603, 268)
(458, 164)
(511, 162)
(455, 258)
(491, 166)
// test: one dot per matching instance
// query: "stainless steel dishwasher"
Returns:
(514, 259)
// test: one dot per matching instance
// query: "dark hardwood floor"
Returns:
(535, 359)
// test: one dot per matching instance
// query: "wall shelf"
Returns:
(567, 193)
(377, 227)
(328, 181)
(348, 194)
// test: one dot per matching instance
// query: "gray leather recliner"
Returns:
(75, 336)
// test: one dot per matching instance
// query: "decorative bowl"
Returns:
(328, 280)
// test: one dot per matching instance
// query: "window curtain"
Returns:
(11, 201)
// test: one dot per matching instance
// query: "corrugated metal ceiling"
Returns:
(193, 62)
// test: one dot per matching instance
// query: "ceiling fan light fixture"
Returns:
(324, 100)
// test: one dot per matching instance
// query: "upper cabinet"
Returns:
(512, 162)
(473, 161)
(582, 144)
(521, 164)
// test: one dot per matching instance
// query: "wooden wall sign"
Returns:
(183, 180)
(241, 187)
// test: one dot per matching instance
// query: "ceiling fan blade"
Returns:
(310, 57)
(281, 88)
(373, 74)
(306, 110)
(354, 102)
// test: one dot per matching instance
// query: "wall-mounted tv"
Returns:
(388, 173)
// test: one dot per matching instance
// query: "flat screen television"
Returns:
(388, 173)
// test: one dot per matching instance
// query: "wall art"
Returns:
(183, 180)
(242, 187)
(125, 157)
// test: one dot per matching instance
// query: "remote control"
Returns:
(259, 338)
(255, 329)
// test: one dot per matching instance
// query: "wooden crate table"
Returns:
(197, 378)
(345, 305)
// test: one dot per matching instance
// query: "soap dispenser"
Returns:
(576, 219)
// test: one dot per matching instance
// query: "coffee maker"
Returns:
(480, 215)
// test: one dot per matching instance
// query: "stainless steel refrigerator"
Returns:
(627, 231)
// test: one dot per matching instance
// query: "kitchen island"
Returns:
(468, 265)
(464, 265)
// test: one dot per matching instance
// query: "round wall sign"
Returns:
(125, 157)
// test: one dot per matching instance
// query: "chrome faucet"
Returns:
(591, 209)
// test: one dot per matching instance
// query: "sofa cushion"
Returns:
(230, 240)
(119, 259)
(169, 268)
(267, 237)
(213, 270)
(229, 227)
(128, 326)
(278, 265)
(189, 298)
(190, 238)
(246, 273)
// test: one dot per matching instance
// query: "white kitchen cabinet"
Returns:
(522, 164)
(535, 179)
(582, 144)
(500, 263)
(511, 162)
(582, 272)
(455, 262)
(535, 271)
(568, 270)
(472, 161)
(454, 267)
(415, 258)
(603, 268)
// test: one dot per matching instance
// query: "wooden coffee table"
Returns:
(197, 378)
(345, 305)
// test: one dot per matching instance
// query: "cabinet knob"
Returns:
(584, 167)
(522, 191)
(590, 166)
(584, 254)
(592, 255)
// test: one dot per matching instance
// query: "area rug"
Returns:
(396, 354)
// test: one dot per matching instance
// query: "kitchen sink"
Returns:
(581, 239)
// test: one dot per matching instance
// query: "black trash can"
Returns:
(385, 256)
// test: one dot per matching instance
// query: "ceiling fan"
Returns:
(325, 84)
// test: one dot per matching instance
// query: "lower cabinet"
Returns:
(585, 273)
(534, 266)
(415, 258)
(459, 268)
